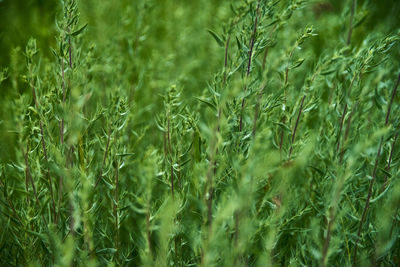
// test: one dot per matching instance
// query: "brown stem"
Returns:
(353, 8)
(346, 133)
(104, 160)
(264, 59)
(374, 173)
(328, 237)
(45, 154)
(390, 160)
(296, 125)
(213, 163)
(251, 47)
(29, 177)
(257, 110)
(391, 100)
(364, 214)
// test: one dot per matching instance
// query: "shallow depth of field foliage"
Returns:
(200, 133)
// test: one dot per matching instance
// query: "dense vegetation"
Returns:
(200, 133)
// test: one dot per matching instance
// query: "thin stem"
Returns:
(344, 115)
(70, 50)
(296, 125)
(170, 154)
(394, 219)
(29, 177)
(44, 153)
(346, 133)
(341, 128)
(328, 237)
(11, 204)
(390, 160)
(257, 110)
(213, 163)
(251, 47)
(104, 160)
(172, 180)
(226, 57)
(148, 232)
(265, 58)
(116, 202)
(391, 100)
(364, 214)
(353, 8)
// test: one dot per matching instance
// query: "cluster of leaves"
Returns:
(134, 148)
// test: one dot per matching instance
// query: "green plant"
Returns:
(202, 133)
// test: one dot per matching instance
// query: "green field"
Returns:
(199, 133)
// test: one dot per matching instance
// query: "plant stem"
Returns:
(116, 201)
(170, 154)
(328, 237)
(390, 160)
(297, 123)
(104, 159)
(346, 133)
(257, 110)
(353, 8)
(29, 177)
(251, 47)
(11, 204)
(364, 214)
(44, 152)
(391, 100)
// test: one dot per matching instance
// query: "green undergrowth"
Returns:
(201, 133)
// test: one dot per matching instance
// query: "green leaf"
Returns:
(77, 32)
(207, 103)
(217, 38)
(297, 63)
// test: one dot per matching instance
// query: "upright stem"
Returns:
(353, 8)
(70, 50)
(44, 152)
(256, 113)
(328, 237)
(390, 160)
(364, 214)
(29, 177)
(297, 123)
(148, 232)
(170, 154)
(226, 57)
(346, 133)
(251, 47)
(116, 201)
(391, 100)
(343, 117)
(11, 204)
(104, 160)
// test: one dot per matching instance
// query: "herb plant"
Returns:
(202, 133)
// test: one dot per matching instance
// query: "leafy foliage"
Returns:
(203, 133)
